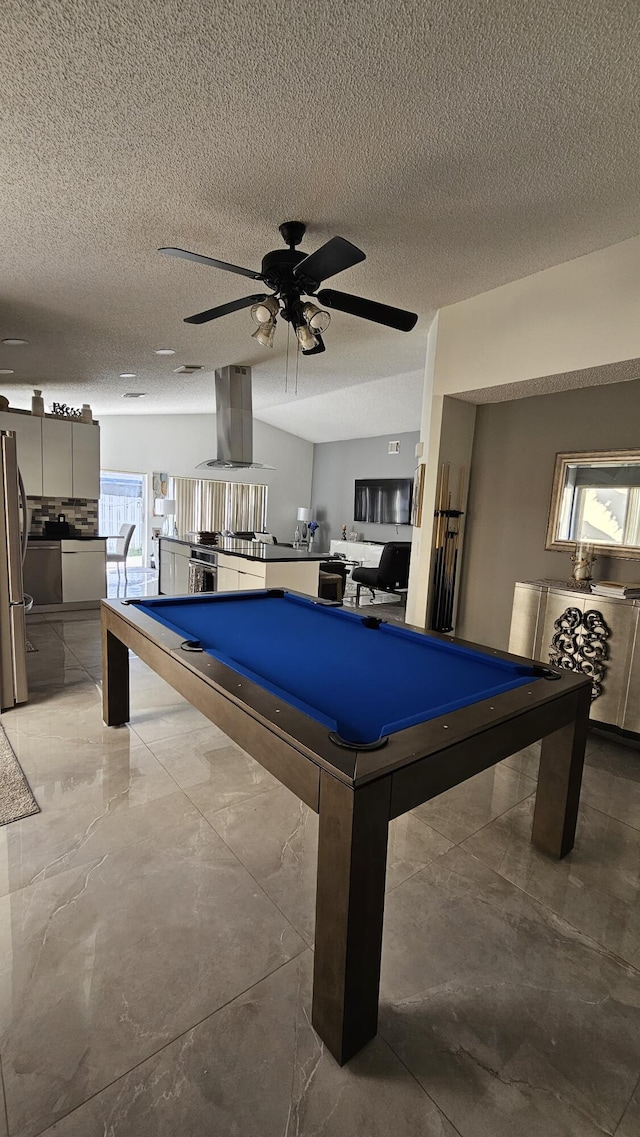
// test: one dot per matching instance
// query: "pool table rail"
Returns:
(530, 708)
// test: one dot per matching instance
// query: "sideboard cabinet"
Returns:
(597, 635)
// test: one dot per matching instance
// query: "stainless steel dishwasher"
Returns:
(43, 572)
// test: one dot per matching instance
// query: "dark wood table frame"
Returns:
(357, 793)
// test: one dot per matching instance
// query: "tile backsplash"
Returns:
(82, 515)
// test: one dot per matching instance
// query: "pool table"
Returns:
(362, 720)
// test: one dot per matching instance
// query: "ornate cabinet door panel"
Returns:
(557, 604)
(593, 633)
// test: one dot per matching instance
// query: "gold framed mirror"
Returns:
(596, 499)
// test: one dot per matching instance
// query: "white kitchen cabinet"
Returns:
(227, 579)
(84, 574)
(239, 574)
(299, 576)
(247, 581)
(28, 432)
(167, 571)
(57, 463)
(181, 576)
(57, 457)
(85, 460)
(174, 567)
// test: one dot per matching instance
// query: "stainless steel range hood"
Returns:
(234, 422)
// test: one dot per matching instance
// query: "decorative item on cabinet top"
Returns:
(61, 410)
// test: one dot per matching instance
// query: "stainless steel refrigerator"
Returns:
(13, 542)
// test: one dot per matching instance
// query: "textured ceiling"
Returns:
(461, 145)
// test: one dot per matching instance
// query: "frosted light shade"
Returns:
(264, 334)
(306, 338)
(303, 514)
(266, 310)
(164, 506)
(317, 319)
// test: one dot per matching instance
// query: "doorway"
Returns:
(122, 502)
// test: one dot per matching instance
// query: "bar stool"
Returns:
(329, 586)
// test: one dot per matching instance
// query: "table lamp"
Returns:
(165, 507)
(303, 516)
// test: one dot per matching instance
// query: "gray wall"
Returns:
(337, 465)
(510, 490)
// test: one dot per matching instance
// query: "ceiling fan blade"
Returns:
(332, 257)
(368, 309)
(223, 310)
(187, 256)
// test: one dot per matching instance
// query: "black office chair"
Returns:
(391, 575)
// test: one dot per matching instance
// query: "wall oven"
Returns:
(203, 570)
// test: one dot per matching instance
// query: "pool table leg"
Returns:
(352, 858)
(115, 679)
(559, 782)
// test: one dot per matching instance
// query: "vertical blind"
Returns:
(203, 504)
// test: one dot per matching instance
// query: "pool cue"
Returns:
(461, 484)
(452, 558)
(447, 586)
(446, 549)
(441, 530)
(436, 558)
(438, 550)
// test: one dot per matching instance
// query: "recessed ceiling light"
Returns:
(14, 342)
(164, 351)
(134, 395)
(6, 371)
(128, 375)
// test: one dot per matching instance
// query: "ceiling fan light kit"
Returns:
(266, 310)
(292, 274)
(317, 320)
(265, 334)
(306, 338)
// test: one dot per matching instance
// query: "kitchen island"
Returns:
(238, 566)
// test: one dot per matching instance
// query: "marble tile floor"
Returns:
(156, 934)
(138, 581)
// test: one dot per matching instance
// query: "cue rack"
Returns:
(446, 539)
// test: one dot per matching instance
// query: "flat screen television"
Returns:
(383, 501)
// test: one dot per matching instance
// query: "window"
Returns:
(122, 499)
(596, 498)
(205, 504)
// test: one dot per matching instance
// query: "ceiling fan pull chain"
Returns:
(286, 366)
(297, 362)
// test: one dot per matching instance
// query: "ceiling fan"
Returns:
(292, 275)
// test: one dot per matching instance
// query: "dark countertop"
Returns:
(254, 550)
(33, 537)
